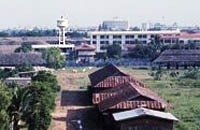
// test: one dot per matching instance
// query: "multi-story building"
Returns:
(101, 39)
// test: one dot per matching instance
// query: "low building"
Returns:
(13, 59)
(18, 80)
(183, 38)
(65, 48)
(85, 53)
(143, 119)
(115, 91)
(178, 58)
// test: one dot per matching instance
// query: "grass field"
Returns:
(184, 97)
(180, 92)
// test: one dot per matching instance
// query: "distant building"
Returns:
(13, 59)
(101, 39)
(85, 53)
(184, 38)
(115, 25)
(178, 58)
(18, 80)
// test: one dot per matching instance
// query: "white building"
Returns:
(101, 39)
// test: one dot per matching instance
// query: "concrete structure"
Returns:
(115, 25)
(101, 39)
(62, 24)
(66, 49)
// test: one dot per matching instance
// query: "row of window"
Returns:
(120, 36)
(120, 42)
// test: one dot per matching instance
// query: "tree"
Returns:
(24, 67)
(19, 108)
(44, 76)
(114, 51)
(42, 104)
(54, 58)
(25, 48)
(5, 96)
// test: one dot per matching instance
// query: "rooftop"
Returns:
(141, 112)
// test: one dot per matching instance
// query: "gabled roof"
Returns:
(141, 112)
(124, 93)
(113, 81)
(178, 56)
(101, 74)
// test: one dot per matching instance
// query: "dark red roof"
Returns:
(107, 71)
(85, 47)
(120, 96)
(113, 81)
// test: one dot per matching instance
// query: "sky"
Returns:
(83, 13)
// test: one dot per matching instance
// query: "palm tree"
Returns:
(19, 107)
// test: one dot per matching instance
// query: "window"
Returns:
(94, 42)
(144, 36)
(129, 36)
(117, 42)
(94, 37)
(139, 36)
(102, 36)
(117, 36)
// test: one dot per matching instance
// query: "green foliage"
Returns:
(54, 58)
(5, 73)
(44, 76)
(24, 67)
(114, 51)
(157, 75)
(5, 101)
(42, 104)
(144, 51)
(18, 110)
(25, 48)
(191, 73)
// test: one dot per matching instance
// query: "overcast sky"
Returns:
(43, 13)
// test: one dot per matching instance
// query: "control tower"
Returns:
(62, 24)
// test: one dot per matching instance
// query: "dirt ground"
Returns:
(73, 104)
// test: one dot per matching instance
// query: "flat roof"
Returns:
(53, 45)
(140, 112)
(133, 32)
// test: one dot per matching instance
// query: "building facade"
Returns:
(101, 39)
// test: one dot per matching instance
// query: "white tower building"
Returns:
(62, 24)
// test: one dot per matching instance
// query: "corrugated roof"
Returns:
(179, 56)
(101, 74)
(12, 59)
(142, 112)
(113, 81)
(122, 93)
